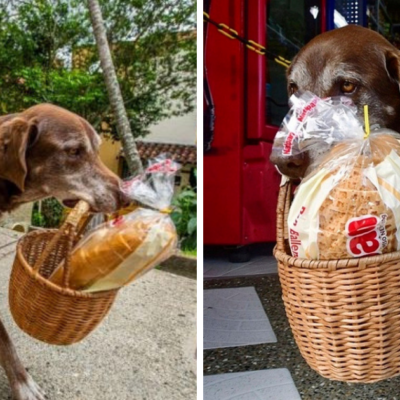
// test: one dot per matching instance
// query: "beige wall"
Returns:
(176, 130)
(109, 154)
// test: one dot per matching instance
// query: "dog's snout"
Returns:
(109, 194)
(116, 188)
(295, 162)
(122, 199)
(292, 166)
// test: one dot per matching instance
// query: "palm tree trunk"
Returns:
(114, 91)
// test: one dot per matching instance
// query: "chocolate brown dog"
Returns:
(350, 61)
(48, 151)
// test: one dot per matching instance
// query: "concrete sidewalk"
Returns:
(144, 350)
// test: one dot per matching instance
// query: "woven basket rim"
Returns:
(371, 261)
(43, 281)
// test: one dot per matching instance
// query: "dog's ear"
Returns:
(93, 136)
(393, 64)
(15, 137)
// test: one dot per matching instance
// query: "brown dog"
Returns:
(350, 61)
(48, 151)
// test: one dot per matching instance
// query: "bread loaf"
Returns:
(117, 252)
(350, 206)
(347, 201)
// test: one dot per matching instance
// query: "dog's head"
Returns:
(352, 61)
(48, 151)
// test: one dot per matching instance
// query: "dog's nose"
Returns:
(116, 188)
(292, 166)
(123, 199)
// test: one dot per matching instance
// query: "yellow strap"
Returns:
(366, 120)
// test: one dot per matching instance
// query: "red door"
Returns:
(249, 93)
(223, 163)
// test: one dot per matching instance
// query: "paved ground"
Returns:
(269, 384)
(280, 365)
(144, 350)
(235, 317)
(216, 264)
(220, 267)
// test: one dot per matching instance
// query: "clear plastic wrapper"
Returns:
(121, 250)
(314, 125)
(349, 204)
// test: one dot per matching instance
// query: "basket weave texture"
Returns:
(45, 311)
(344, 314)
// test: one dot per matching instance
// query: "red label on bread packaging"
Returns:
(118, 221)
(166, 166)
(295, 241)
(126, 185)
(366, 235)
(288, 145)
(294, 125)
(307, 109)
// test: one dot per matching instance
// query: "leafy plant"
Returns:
(192, 253)
(37, 216)
(185, 218)
(49, 215)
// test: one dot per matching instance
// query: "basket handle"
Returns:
(282, 211)
(68, 228)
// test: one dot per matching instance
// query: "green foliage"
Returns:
(37, 217)
(192, 252)
(185, 218)
(49, 55)
(74, 90)
(49, 216)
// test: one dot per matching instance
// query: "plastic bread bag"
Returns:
(121, 250)
(314, 125)
(349, 205)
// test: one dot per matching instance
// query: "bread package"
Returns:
(348, 205)
(352, 210)
(314, 125)
(119, 251)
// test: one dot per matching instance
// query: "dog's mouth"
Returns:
(70, 203)
(100, 205)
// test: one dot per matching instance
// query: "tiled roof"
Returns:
(181, 153)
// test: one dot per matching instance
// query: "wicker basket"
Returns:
(344, 314)
(45, 311)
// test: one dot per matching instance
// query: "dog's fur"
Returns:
(350, 54)
(48, 151)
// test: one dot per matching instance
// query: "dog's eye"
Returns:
(293, 88)
(348, 87)
(74, 152)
